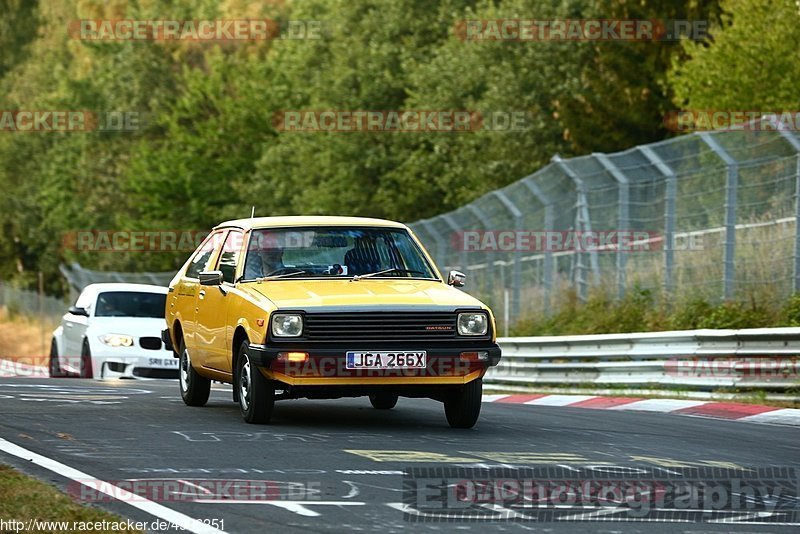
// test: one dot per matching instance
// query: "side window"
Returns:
(230, 255)
(201, 258)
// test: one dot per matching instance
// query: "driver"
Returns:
(264, 257)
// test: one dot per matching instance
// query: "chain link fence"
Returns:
(15, 301)
(79, 277)
(711, 215)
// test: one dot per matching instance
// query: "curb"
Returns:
(730, 411)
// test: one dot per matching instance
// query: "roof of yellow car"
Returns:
(310, 220)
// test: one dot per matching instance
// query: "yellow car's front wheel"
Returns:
(256, 393)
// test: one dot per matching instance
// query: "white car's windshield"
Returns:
(312, 252)
(130, 304)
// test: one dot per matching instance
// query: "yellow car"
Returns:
(326, 307)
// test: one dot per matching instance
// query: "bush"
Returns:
(641, 311)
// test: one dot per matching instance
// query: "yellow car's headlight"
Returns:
(287, 325)
(473, 324)
(117, 340)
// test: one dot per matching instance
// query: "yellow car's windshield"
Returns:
(313, 252)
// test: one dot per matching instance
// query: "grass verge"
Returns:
(23, 498)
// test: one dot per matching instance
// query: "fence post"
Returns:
(585, 224)
(731, 186)
(484, 220)
(440, 244)
(549, 223)
(517, 274)
(455, 228)
(623, 202)
(792, 140)
(669, 214)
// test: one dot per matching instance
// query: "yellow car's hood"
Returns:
(303, 294)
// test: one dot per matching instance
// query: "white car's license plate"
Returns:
(386, 360)
(162, 362)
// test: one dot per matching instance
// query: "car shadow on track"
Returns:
(346, 414)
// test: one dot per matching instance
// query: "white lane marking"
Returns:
(354, 491)
(150, 507)
(785, 416)
(559, 400)
(658, 405)
(298, 507)
(492, 398)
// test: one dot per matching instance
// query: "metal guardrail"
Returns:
(704, 360)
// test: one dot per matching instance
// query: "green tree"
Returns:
(750, 64)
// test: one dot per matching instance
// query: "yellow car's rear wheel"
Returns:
(383, 401)
(195, 389)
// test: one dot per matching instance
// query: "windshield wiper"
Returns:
(284, 275)
(358, 277)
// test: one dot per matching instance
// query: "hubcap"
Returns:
(244, 384)
(185, 370)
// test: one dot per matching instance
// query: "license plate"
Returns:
(386, 360)
(162, 362)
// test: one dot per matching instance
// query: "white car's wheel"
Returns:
(55, 365)
(195, 389)
(86, 360)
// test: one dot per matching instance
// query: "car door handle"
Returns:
(202, 294)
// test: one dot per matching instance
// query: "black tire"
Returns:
(383, 401)
(86, 360)
(463, 407)
(195, 389)
(55, 365)
(256, 393)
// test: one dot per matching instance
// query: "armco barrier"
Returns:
(762, 359)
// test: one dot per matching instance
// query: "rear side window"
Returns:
(201, 258)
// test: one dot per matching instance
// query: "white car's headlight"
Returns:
(473, 324)
(117, 340)
(287, 325)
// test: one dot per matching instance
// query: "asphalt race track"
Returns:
(336, 466)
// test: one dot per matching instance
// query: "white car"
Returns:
(114, 331)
